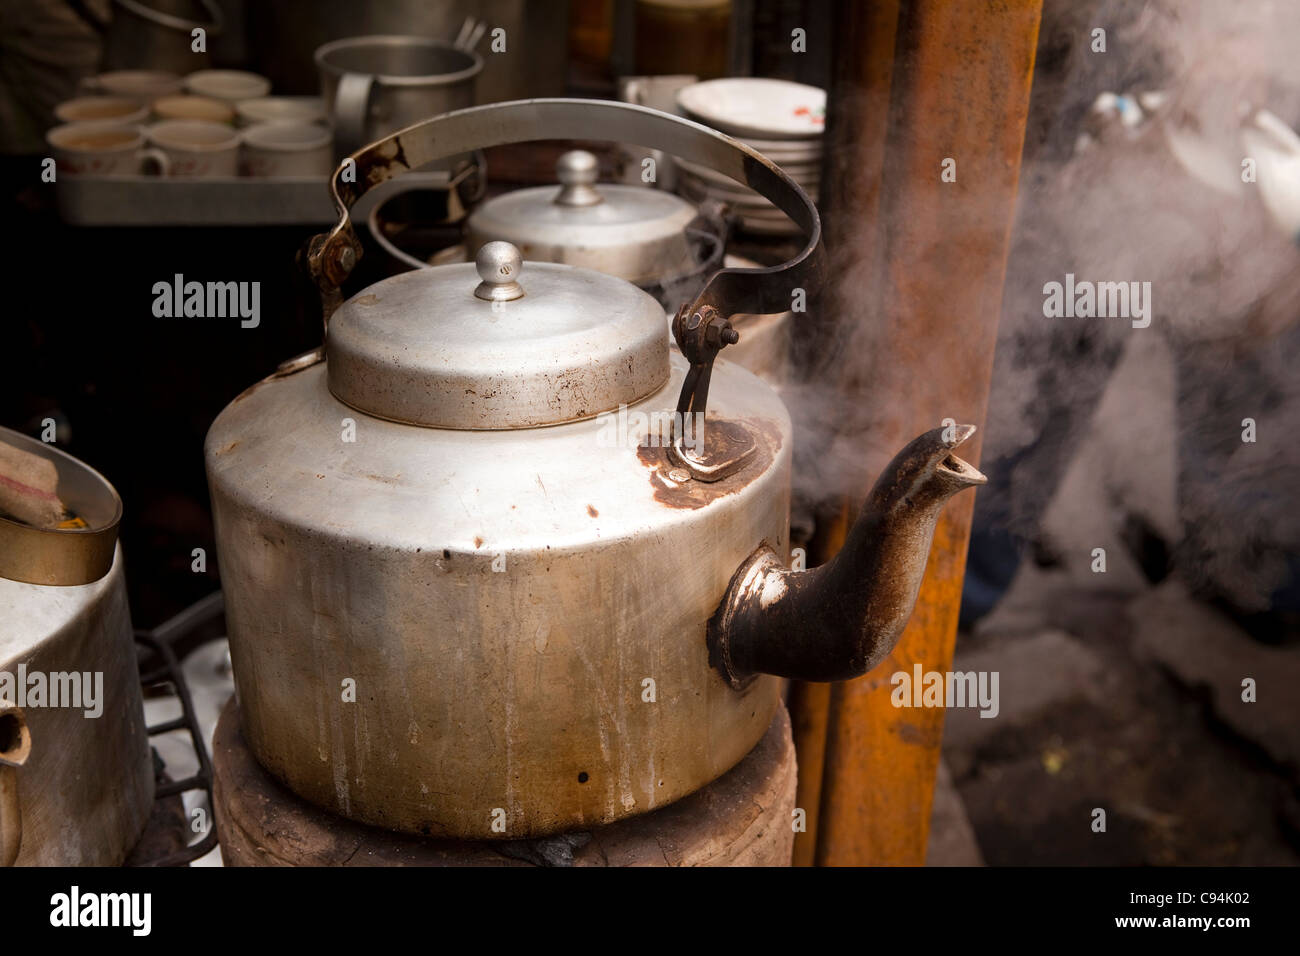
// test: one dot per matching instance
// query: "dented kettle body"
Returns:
(520, 614)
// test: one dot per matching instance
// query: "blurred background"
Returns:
(1119, 689)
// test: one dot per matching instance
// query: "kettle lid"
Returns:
(495, 345)
(635, 232)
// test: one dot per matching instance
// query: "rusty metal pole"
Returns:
(857, 122)
(809, 706)
(933, 259)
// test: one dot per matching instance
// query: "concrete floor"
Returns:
(1121, 694)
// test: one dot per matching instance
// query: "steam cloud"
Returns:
(1110, 202)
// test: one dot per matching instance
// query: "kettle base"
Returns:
(741, 819)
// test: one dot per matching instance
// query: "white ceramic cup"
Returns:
(229, 85)
(288, 150)
(193, 107)
(118, 110)
(197, 149)
(104, 149)
(142, 85)
(282, 109)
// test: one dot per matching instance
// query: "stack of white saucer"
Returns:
(784, 121)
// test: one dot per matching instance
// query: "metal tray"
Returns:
(236, 201)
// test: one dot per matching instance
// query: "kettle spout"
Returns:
(838, 621)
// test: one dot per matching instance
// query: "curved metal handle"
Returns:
(333, 255)
(172, 22)
(351, 108)
(156, 156)
(473, 173)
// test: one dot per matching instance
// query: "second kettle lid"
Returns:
(581, 214)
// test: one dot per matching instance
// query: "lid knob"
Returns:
(577, 171)
(499, 264)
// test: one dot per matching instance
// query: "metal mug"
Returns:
(376, 85)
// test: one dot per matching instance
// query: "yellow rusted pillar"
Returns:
(939, 86)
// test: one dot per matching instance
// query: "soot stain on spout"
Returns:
(694, 494)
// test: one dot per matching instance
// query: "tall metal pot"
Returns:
(76, 772)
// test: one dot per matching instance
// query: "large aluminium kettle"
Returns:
(486, 574)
